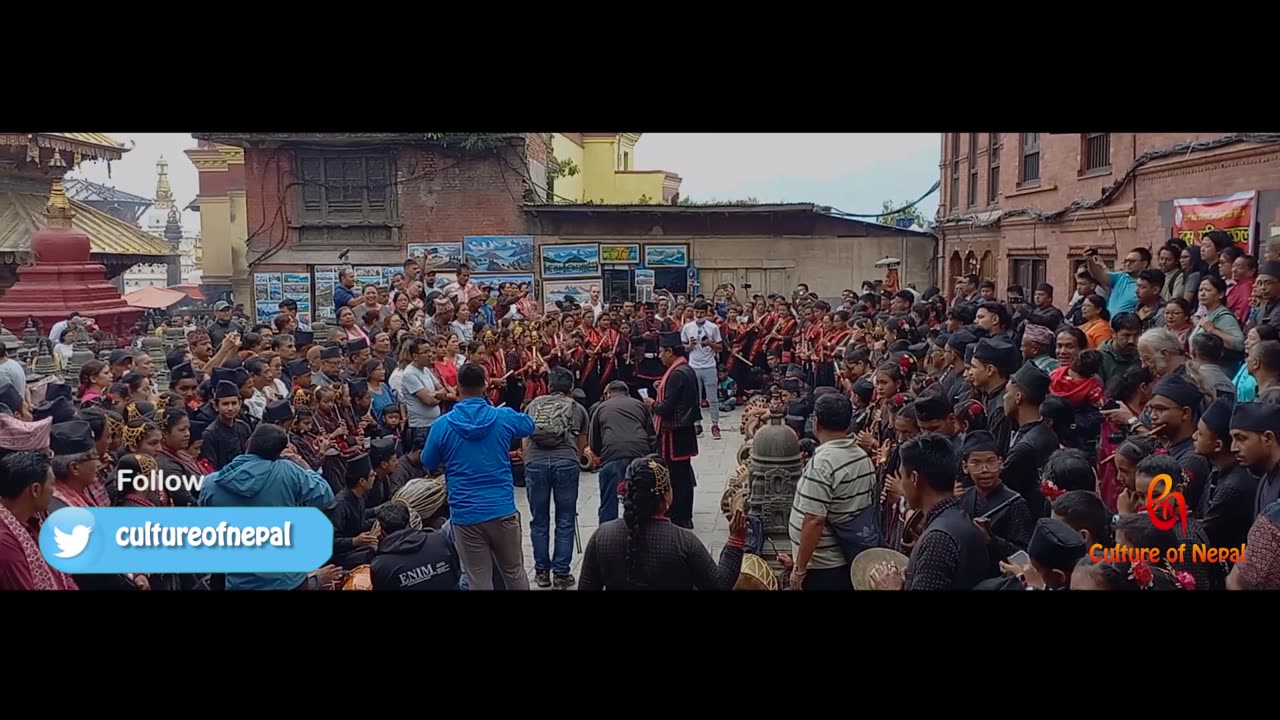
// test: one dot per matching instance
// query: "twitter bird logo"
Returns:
(73, 543)
(65, 539)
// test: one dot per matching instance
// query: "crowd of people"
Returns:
(963, 442)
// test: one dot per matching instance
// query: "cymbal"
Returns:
(860, 569)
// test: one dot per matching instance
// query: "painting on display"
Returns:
(443, 280)
(326, 282)
(437, 256)
(268, 291)
(620, 254)
(297, 287)
(495, 281)
(499, 253)
(666, 256)
(563, 261)
(553, 290)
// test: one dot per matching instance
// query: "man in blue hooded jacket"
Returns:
(267, 476)
(472, 442)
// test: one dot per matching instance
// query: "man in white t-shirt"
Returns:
(421, 394)
(701, 339)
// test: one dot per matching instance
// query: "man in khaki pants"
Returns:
(472, 442)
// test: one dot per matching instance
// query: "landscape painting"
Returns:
(620, 254)
(553, 290)
(495, 281)
(559, 261)
(666, 256)
(437, 256)
(499, 253)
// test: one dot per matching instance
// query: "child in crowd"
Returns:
(1002, 515)
(727, 390)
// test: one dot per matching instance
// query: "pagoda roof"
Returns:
(89, 191)
(22, 214)
(92, 146)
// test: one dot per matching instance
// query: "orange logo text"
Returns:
(1169, 508)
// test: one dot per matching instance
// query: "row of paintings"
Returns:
(490, 254)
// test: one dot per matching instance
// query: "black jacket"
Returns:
(678, 412)
(222, 443)
(349, 520)
(415, 560)
(1027, 455)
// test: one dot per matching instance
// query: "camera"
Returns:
(746, 286)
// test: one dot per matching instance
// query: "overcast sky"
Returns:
(853, 172)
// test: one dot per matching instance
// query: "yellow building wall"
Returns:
(598, 169)
(630, 187)
(568, 188)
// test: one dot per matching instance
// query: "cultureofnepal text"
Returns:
(1199, 552)
(223, 535)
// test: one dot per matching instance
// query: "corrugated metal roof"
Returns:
(22, 214)
(81, 189)
(99, 139)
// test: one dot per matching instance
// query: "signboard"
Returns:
(1234, 214)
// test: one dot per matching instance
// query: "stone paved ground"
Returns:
(715, 461)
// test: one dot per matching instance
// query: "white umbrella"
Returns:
(886, 262)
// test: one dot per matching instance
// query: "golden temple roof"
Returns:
(81, 145)
(22, 214)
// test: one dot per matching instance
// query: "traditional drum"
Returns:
(756, 574)
(359, 579)
(860, 569)
(423, 496)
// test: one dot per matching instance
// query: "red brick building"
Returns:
(992, 183)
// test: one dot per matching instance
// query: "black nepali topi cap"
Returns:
(996, 352)
(331, 353)
(791, 384)
(649, 306)
(235, 376)
(1178, 389)
(60, 409)
(381, 450)
(1218, 419)
(359, 466)
(302, 338)
(1256, 417)
(669, 340)
(175, 358)
(1055, 545)
(978, 441)
(53, 391)
(1032, 381)
(795, 371)
(226, 389)
(864, 389)
(299, 367)
(10, 398)
(1045, 288)
(358, 388)
(73, 437)
(355, 346)
(960, 340)
(197, 429)
(185, 371)
(918, 349)
(1270, 268)
(277, 411)
(118, 357)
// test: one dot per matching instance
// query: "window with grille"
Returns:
(1030, 159)
(1027, 272)
(1096, 152)
(993, 168)
(973, 169)
(345, 197)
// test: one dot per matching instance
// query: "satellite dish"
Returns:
(887, 262)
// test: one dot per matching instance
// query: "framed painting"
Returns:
(437, 256)
(666, 256)
(620, 254)
(499, 253)
(566, 261)
(553, 290)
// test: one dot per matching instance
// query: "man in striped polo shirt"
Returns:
(838, 482)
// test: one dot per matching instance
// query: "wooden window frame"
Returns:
(1085, 155)
(971, 197)
(995, 142)
(1023, 154)
(318, 214)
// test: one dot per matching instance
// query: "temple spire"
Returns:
(57, 211)
(164, 194)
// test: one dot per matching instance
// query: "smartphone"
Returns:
(1110, 405)
(644, 393)
(1020, 558)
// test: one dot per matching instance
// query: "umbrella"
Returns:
(154, 298)
(888, 261)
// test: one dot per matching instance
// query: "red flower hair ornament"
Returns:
(1050, 491)
(1141, 574)
(1186, 580)
(975, 408)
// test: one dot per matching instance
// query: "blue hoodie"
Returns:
(472, 441)
(252, 481)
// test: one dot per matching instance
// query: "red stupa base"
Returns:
(63, 281)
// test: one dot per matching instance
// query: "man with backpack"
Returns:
(835, 502)
(551, 468)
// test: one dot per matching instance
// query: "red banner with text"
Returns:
(1233, 214)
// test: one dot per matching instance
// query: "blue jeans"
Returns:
(611, 474)
(543, 480)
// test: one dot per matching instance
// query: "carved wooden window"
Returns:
(346, 197)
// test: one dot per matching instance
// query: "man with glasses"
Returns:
(1122, 286)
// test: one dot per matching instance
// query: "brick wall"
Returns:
(1134, 217)
(442, 197)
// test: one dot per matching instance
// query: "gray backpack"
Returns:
(551, 415)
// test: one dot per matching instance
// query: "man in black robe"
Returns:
(645, 350)
(676, 416)
(1002, 515)
(951, 383)
(182, 380)
(354, 543)
(993, 361)
(1255, 439)
(382, 456)
(1228, 500)
(1033, 443)
(357, 353)
(1175, 411)
(228, 435)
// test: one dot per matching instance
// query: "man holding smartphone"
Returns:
(702, 340)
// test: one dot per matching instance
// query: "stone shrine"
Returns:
(775, 469)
